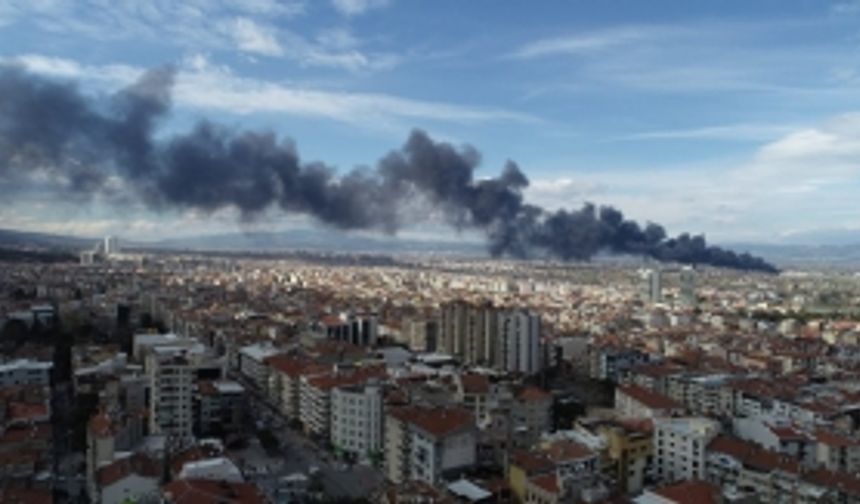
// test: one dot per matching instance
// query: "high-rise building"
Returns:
(518, 348)
(651, 286)
(171, 382)
(487, 336)
(111, 245)
(688, 286)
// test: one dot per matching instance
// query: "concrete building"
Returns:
(679, 447)
(285, 374)
(110, 246)
(252, 363)
(651, 286)
(133, 478)
(531, 416)
(687, 289)
(428, 444)
(356, 420)
(219, 408)
(361, 329)
(316, 392)
(171, 384)
(519, 349)
(25, 372)
(633, 401)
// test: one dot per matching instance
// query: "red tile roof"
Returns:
(835, 440)
(474, 383)
(843, 482)
(533, 394)
(197, 491)
(138, 464)
(439, 422)
(25, 496)
(567, 451)
(690, 492)
(648, 398)
(546, 482)
(357, 376)
(753, 455)
(531, 463)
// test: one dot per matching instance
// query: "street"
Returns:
(299, 454)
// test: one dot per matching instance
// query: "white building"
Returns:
(25, 372)
(679, 447)
(111, 245)
(651, 286)
(356, 419)
(216, 469)
(171, 381)
(134, 478)
(688, 286)
(252, 363)
(519, 347)
(428, 444)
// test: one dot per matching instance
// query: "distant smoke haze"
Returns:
(52, 128)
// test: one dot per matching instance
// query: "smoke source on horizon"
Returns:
(51, 128)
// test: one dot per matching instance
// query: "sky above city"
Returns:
(736, 119)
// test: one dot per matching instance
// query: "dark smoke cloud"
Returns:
(51, 128)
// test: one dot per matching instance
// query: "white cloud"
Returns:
(252, 37)
(202, 84)
(741, 131)
(585, 43)
(849, 7)
(250, 27)
(806, 179)
(696, 57)
(356, 7)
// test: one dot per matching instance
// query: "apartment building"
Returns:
(679, 447)
(172, 387)
(633, 401)
(428, 444)
(316, 392)
(356, 420)
(519, 349)
(25, 372)
(252, 363)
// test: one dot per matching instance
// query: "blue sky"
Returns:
(738, 119)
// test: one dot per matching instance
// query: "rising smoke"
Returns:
(51, 129)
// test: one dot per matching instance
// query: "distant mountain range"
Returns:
(833, 254)
(293, 240)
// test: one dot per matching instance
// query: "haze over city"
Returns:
(702, 118)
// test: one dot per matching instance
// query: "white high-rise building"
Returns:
(679, 447)
(171, 381)
(688, 286)
(111, 245)
(519, 348)
(356, 419)
(651, 286)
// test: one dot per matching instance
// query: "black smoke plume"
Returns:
(51, 129)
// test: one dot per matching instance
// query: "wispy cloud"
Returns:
(585, 43)
(252, 37)
(356, 7)
(742, 132)
(700, 57)
(848, 7)
(256, 28)
(201, 84)
(804, 179)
